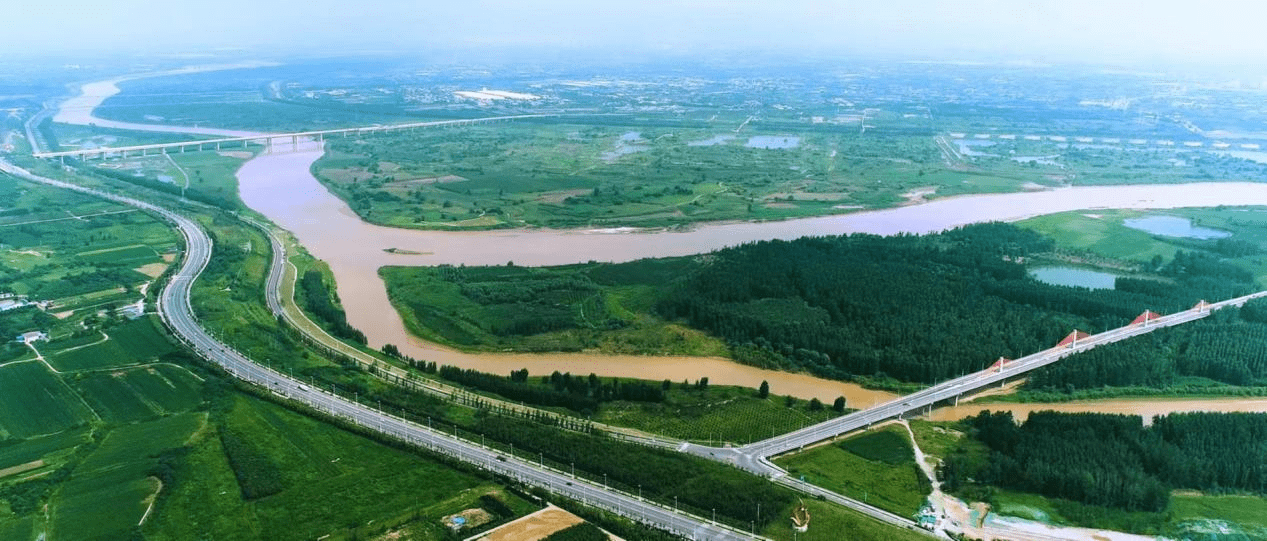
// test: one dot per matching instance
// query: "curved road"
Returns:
(177, 312)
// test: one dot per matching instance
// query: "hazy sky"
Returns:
(1043, 30)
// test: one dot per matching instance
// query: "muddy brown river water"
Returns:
(281, 187)
(1145, 407)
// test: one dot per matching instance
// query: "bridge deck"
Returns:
(267, 138)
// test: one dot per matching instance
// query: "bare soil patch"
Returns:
(14, 470)
(475, 517)
(153, 270)
(423, 181)
(918, 195)
(533, 527)
(562, 195)
(809, 196)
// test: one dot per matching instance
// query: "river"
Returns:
(281, 187)
(79, 109)
(1145, 407)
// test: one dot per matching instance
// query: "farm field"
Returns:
(107, 495)
(310, 468)
(877, 467)
(715, 416)
(607, 308)
(141, 393)
(130, 343)
(36, 402)
(827, 522)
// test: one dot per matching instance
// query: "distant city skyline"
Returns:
(1042, 31)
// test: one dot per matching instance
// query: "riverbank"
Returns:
(281, 187)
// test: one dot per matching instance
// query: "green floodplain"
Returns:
(110, 401)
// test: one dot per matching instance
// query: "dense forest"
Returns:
(1229, 346)
(1114, 460)
(919, 308)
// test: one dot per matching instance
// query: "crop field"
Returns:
(233, 99)
(14, 452)
(107, 495)
(573, 175)
(78, 255)
(320, 468)
(130, 343)
(877, 467)
(36, 402)
(206, 176)
(829, 522)
(72, 136)
(603, 307)
(18, 530)
(141, 393)
(127, 255)
(720, 414)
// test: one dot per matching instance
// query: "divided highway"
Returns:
(177, 312)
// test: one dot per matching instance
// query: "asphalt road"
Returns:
(175, 309)
(755, 457)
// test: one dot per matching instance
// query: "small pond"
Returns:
(771, 142)
(1174, 226)
(1073, 276)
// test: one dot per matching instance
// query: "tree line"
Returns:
(1114, 460)
(918, 308)
(579, 394)
(1228, 346)
(317, 301)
